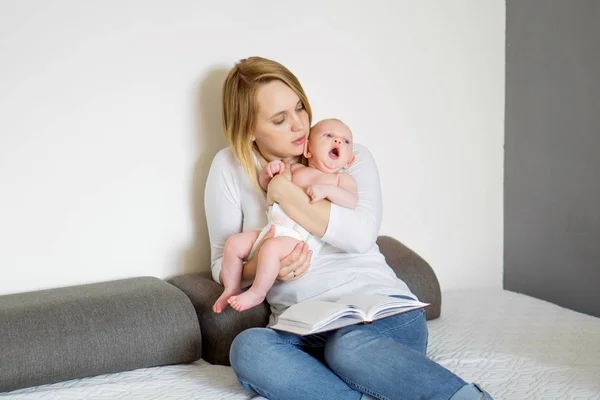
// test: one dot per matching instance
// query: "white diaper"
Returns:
(284, 226)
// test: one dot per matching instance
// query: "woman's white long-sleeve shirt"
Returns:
(349, 262)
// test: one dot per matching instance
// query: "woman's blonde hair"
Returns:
(240, 107)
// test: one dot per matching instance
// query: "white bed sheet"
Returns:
(516, 346)
(198, 380)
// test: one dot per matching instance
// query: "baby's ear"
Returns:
(307, 150)
(350, 162)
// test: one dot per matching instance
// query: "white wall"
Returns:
(110, 115)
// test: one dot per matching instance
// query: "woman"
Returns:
(267, 116)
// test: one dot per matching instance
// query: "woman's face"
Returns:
(282, 125)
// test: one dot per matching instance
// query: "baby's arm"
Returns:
(345, 194)
(266, 174)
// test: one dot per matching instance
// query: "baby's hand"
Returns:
(317, 192)
(275, 167)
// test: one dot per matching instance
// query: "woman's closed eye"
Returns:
(282, 119)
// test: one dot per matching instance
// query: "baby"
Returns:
(329, 151)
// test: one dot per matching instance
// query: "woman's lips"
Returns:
(300, 141)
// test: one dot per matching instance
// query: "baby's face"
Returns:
(329, 146)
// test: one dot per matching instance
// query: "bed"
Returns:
(515, 346)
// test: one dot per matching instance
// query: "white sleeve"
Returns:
(356, 231)
(222, 206)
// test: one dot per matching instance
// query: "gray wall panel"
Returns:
(552, 152)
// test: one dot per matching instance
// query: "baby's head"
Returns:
(329, 146)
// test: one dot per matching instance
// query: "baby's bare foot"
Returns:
(245, 300)
(222, 301)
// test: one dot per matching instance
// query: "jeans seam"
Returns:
(403, 325)
(301, 344)
(483, 392)
(305, 343)
(264, 392)
(362, 389)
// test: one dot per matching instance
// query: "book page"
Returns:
(366, 302)
(313, 316)
(376, 307)
(288, 326)
(312, 312)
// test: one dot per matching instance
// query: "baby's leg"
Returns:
(237, 247)
(269, 256)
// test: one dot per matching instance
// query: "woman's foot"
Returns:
(246, 300)
(222, 301)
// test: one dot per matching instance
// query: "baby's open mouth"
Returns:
(334, 153)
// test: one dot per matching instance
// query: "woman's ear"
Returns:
(252, 138)
(307, 150)
(349, 163)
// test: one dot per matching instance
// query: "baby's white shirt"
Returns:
(348, 263)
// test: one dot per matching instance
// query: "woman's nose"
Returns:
(297, 123)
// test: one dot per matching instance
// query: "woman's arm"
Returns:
(354, 231)
(313, 217)
(222, 206)
(224, 217)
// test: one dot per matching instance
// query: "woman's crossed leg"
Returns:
(385, 359)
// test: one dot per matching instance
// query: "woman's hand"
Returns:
(295, 264)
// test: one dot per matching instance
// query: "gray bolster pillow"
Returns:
(72, 332)
(219, 330)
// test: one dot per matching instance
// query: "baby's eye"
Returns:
(347, 141)
(328, 135)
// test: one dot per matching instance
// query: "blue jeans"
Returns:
(385, 359)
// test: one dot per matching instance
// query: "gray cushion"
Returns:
(72, 332)
(416, 272)
(218, 331)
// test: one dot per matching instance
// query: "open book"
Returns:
(314, 316)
